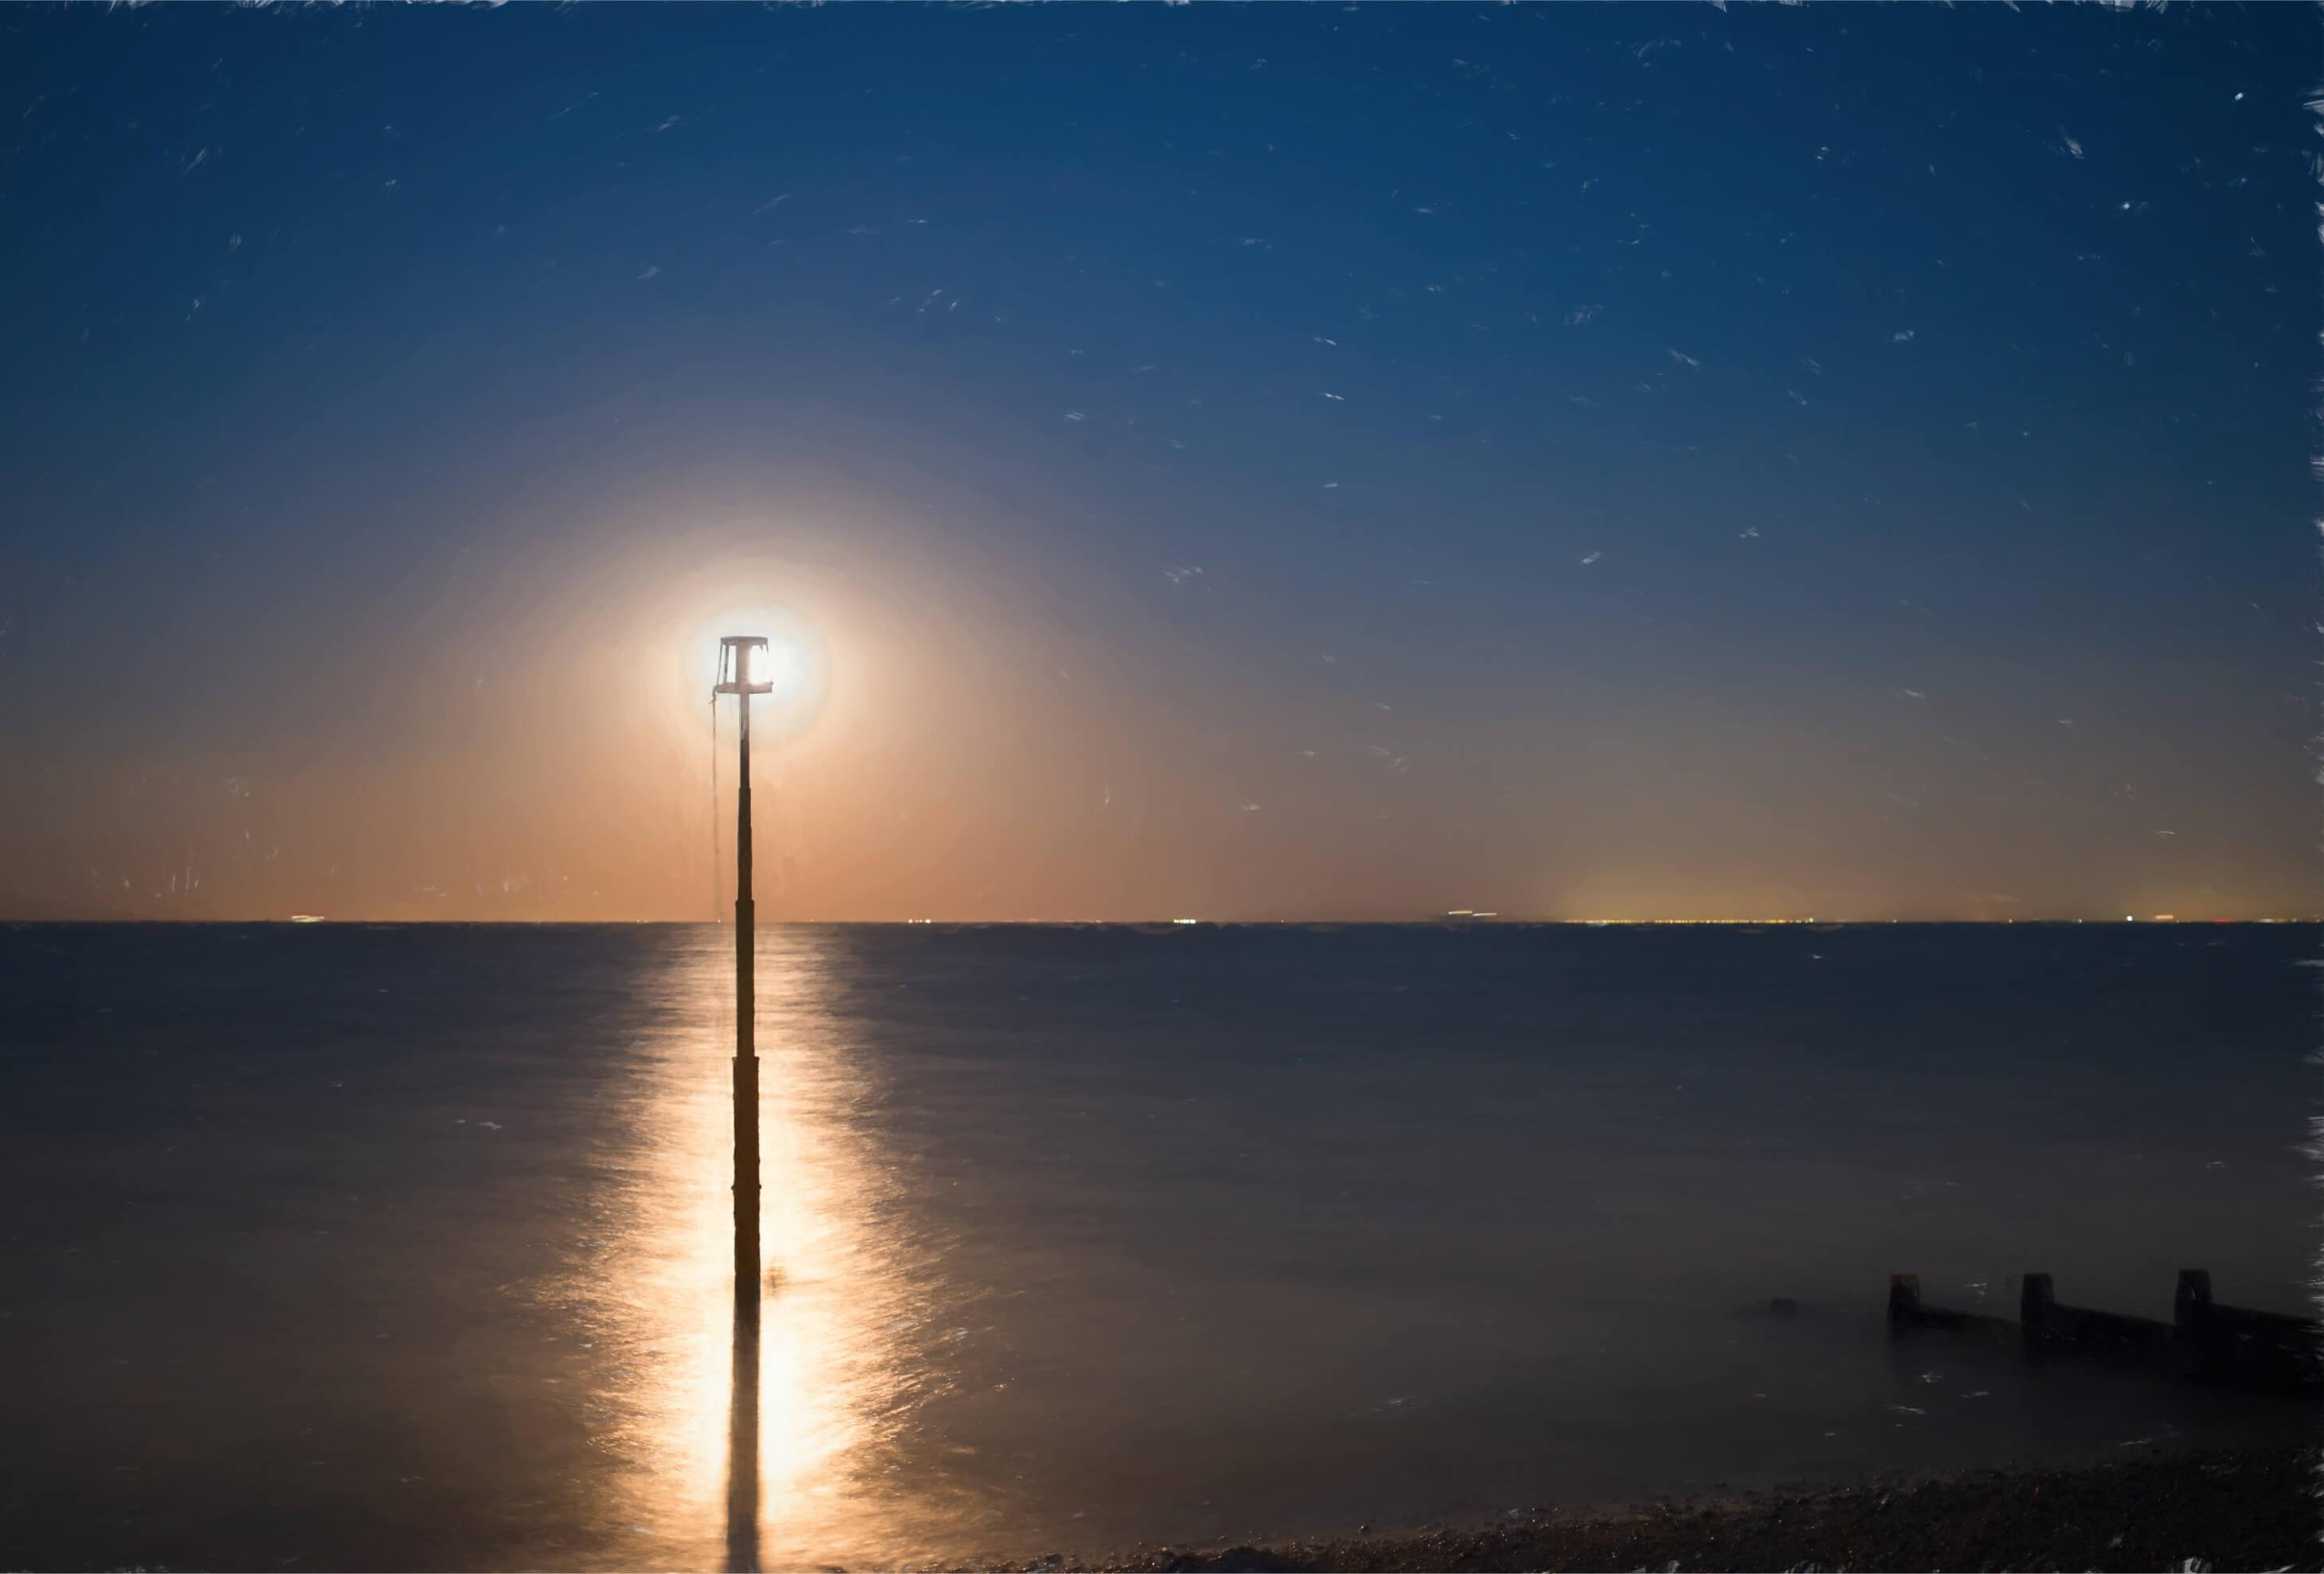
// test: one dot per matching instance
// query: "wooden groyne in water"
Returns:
(2203, 1340)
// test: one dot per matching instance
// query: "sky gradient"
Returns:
(1321, 462)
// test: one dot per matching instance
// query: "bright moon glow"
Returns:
(772, 662)
(794, 660)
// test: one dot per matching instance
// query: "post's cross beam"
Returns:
(733, 656)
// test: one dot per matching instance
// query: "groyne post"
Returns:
(2036, 1300)
(738, 648)
(2191, 1308)
(1903, 1299)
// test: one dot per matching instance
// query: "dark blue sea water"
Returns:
(352, 1246)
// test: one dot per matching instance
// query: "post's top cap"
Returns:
(739, 644)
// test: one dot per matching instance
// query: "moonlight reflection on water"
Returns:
(782, 1440)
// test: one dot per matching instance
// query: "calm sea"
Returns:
(406, 1247)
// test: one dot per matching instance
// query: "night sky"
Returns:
(1319, 462)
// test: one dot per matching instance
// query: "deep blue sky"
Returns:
(1296, 460)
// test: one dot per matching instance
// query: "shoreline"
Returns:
(2240, 1508)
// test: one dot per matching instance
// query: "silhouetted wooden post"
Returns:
(746, 1054)
(1904, 1301)
(2035, 1297)
(2191, 1309)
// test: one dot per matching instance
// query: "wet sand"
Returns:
(2241, 1509)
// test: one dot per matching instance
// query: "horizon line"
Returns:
(1448, 920)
